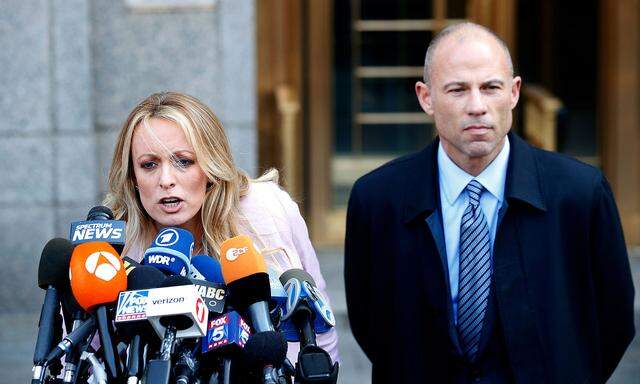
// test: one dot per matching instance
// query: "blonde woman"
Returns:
(172, 166)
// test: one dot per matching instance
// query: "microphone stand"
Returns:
(72, 360)
(159, 370)
(314, 363)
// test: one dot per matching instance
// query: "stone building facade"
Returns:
(71, 70)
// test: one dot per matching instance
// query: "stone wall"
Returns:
(71, 70)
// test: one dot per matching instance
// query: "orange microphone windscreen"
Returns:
(239, 258)
(97, 274)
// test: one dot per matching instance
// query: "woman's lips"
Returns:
(171, 207)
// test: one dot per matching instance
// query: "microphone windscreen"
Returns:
(171, 251)
(266, 348)
(239, 259)
(97, 274)
(69, 302)
(144, 277)
(298, 274)
(100, 212)
(249, 290)
(54, 263)
(175, 281)
(209, 267)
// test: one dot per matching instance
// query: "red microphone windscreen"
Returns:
(97, 274)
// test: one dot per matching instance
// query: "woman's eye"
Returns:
(148, 165)
(184, 162)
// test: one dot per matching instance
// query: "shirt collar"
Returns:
(453, 179)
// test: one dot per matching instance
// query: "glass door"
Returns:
(378, 57)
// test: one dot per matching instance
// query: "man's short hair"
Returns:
(451, 29)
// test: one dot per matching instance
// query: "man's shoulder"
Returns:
(563, 170)
(394, 173)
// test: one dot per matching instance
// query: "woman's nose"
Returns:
(167, 176)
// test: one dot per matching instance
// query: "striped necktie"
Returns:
(475, 272)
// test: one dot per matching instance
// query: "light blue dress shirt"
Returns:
(453, 181)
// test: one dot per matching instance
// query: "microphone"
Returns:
(72, 339)
(74, 316)
(278, 297)
(138, 332)
(97, 276)
(206, 275)
(129, 264)
(171, 251)
(100, 212)
(229, 332)
(208, 267)
(177, 289)
(52, 277)
(72, 311)
(267, 349)
(245, 273)
(226, 336)
(99, 226)
(307, 313)
(177, 299)
(186, 365)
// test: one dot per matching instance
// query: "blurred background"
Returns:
(321, 89)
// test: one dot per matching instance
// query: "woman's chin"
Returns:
(181, 219)
(170, 221)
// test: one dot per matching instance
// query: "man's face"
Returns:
(470, 97)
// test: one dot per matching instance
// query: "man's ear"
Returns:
(515, 91)
(423, 92)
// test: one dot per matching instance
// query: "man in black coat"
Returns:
(481, 258)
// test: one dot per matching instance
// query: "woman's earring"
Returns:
(209, 186)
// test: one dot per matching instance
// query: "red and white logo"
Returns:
(103, 265)
(200, 310)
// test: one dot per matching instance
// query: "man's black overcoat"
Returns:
(561, 277)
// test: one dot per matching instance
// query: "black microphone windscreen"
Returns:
(100, 212)
(70, 304)
(54, 263)
(144, 277)
(174, 281)
(266, 348)
(249, 289)
(299, 274)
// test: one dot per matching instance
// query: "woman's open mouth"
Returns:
(170, 204)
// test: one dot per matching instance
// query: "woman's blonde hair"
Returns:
(220, 212)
